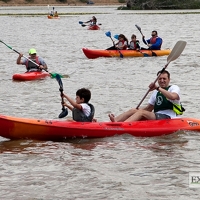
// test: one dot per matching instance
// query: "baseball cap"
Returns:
(32, 51)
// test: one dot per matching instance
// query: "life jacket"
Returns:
(30, 65)
(153, 41)
(163, 104)
(93, 22)
(121, 43)
(79, 116)
(133, 45)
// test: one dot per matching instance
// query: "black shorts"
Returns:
(161, 116)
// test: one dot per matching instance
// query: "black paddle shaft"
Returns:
(64, 110)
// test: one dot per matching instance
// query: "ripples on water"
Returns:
(121, 167)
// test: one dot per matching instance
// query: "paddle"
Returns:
(53, 75)
(108, 34)
(83, 25)
(153, 53)
(175, 53)
(144, 54)
(64, 110)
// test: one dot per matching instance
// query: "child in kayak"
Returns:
(121, 44)
(92, 21)
(134, 43)
(82, 111)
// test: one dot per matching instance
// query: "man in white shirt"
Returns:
(161, 101)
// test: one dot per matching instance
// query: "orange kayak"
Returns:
(39, 129)
(29, 76)
(52, 17)
(96, 53)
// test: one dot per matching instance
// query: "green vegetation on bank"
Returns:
(161, 4)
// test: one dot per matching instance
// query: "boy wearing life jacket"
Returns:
(38, 63)
(134, 43)
(82, 111)
(154, 43)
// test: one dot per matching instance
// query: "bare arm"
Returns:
(169, 95)
(67, 105)
(19, 59)
(72, 102)
(166, 93)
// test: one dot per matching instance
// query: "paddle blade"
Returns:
(116, 37)
(108, 34)
(80, 22)
(55, 75)
(145, 54)
(120, 54)
(138, 27)
(83, 25)
(58, 78)
(65, 76)
(64, 113)
(176, 51)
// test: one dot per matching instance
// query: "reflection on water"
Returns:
(120, 167)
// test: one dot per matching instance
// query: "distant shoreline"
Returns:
(79, 4)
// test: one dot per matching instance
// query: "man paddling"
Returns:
(38, 63)
(165, 101)
(154, 43)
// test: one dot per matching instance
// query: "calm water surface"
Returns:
(121, 167)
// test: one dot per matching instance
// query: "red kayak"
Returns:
(93, 27)
(29, 76)
(24, 128)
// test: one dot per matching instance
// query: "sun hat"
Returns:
(32, 51)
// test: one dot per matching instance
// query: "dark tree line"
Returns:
(162, 4)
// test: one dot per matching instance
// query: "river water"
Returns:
(120, 167)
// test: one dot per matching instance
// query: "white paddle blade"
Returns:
(176, 51)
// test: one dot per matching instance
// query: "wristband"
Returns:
(157, 88)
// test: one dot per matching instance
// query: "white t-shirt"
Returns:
(171, 113)
(86, 109)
